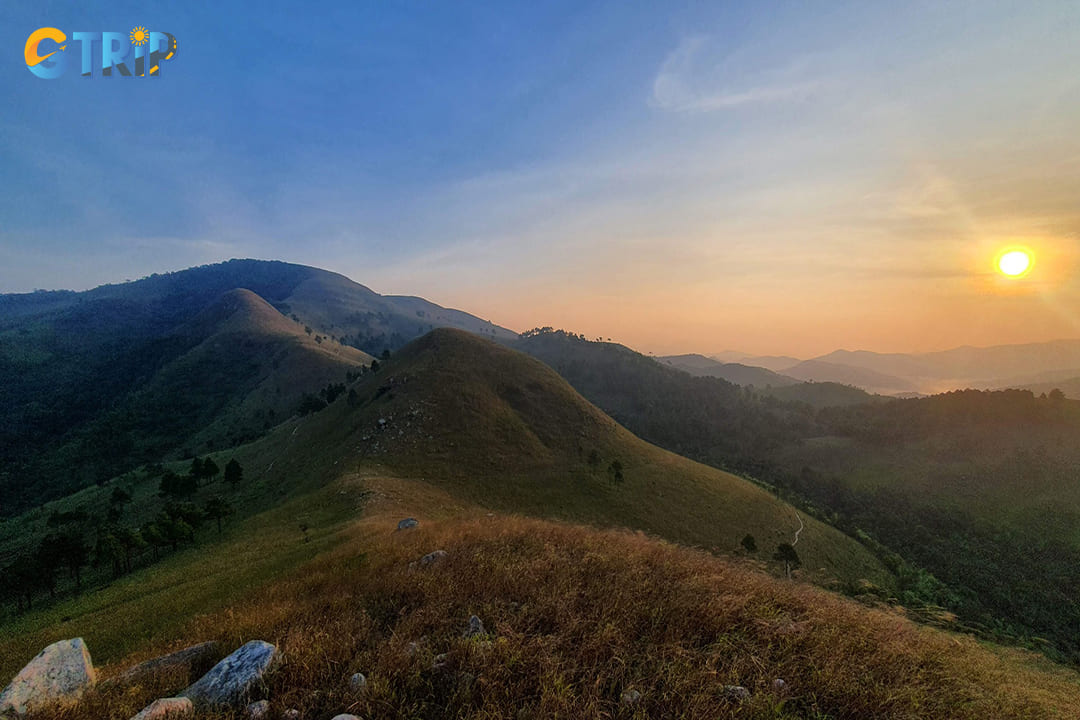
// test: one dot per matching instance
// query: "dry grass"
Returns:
(578, 616)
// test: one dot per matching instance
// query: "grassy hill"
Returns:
(499, 428)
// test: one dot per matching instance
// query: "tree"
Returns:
(154, 535)
(196, 470)
(234, 473)
(119, 497)
(748, 543)
(176, 486)
(210, 469)
(594, 461)
(615, 471)
(785, 552)
(217, 508)
(386, 354)
(374, 365)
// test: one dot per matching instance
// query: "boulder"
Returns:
(233, 680)
(189, 662)
(407, 523)
(60, 673)
(167, 709)
(476, 627)
(433, 557)
(344, 716)
(257, 710)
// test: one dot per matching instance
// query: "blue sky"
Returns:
(777, 177)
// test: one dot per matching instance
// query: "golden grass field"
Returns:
(576, 617)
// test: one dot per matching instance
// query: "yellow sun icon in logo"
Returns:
(139, 36)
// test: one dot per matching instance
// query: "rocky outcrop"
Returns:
(167, 709)
(233, 680)
(188, 663)
(60, 673)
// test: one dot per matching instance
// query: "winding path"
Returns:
(801, 527)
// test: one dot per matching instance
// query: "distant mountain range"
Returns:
(1039, 367)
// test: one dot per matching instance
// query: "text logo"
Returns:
(138, 53)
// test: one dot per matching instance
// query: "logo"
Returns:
(47, 52)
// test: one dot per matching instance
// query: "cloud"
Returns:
(691, 78)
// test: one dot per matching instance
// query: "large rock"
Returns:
(407, 523)
(176, 708)
(233, 680)
(60, 673)
(187, 663)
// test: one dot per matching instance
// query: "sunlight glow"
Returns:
(1014, 262)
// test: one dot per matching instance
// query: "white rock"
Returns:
(171, 708)
(231, 681)
(345, 716)
(60, 673)
(476, 627)
(358, 683)
(630, 697)
(257, 710)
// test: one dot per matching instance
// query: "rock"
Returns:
(358, 683)
(258, 710)
(440, 661)
(736, 692)
(433, 557)
(407, 523)
(629, 697)
(191, 661)
(476, 627)
(60, 673)
(779, 686)
(171, 708)
(345, 716)
(291, 714)
(232, 680)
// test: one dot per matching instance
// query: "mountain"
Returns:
(996, 366)
(732, 372)
(99, 381)
(861, 377)
(776, 363)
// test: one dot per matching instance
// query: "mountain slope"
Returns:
(71, 360)
(732, 372)
(497, 427)
(869, 380)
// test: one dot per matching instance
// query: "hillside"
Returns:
(576, 618)
(78, 365)
(732, 372)
(975, 488)
(224, 377)
(499, 428)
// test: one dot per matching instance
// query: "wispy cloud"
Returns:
(692, 78)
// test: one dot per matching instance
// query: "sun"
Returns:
(139, 36)
(1014, 262)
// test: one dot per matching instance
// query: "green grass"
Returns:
(151, 606)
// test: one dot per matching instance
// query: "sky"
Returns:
(773, 177)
